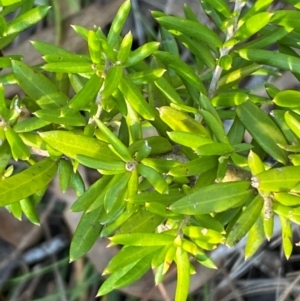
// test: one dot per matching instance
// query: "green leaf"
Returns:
(287, 18)
(256, 237)
(189, 139)
(109, 284)
(5, 156)
(194, 167)
(105, 167)
(205, 260)
(29, 210)
(49, 49)
(69, 67)
(65, 169)
(279, 117)
(114, 189)
(167, 90)
(137, 101)
(228, 99)
(183, 274)
(141, 53)
(246, 220)
(86, 234)
(141, 221)
(27, 19)
(182, 122)
(121, 150)
(190, 28)
(94, 194)
(155, 178)
(94, 47)
(287, 236)
(293, 121)
(87, 94)
(135, 273)
(18, 148)
(142, 239)
(126, 256)
(27, 182)
(38, 87)
(270, 58)
(213, 198)
(154, 196)
(71, 145)
(277, 179)
(30, 124)
(263, 130)
(112, 81)
(181, 68)
(147, 76)
(70, 118)
(125, 47)
(118, 23)
(215, 125)
(212, 149)
(288, 98)
(287, 199)
(200, 50)
(251, 26)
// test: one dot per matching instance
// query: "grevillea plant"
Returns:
(173, 181)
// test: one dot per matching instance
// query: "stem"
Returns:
(231, 30)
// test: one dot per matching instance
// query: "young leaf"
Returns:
(156, 179)
(213, 198)
(183, 274)
(27, 182)
(125, 47)
(85, 235)
(118, 23)
(288, 98)
(141, 53)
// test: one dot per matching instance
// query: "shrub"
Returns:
(192, 184)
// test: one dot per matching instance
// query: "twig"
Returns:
(231, 30)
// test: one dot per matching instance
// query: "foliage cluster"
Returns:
(192, 184)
